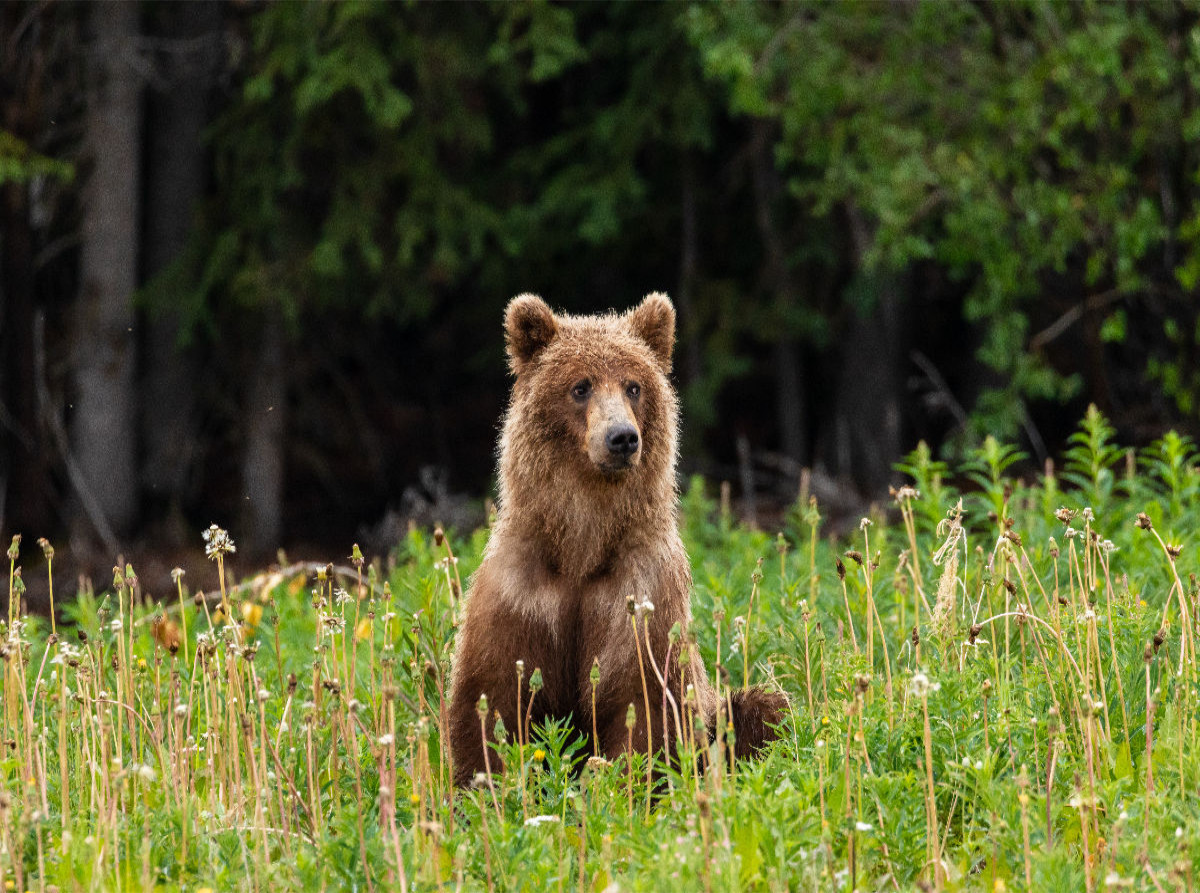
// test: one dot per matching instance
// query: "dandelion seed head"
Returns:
(217, 542)
(922, 686)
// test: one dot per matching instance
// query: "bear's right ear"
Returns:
(529, 326)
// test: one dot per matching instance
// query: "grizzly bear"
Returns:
(586, 523)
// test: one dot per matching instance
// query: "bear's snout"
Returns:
(622, 440)
(614, 441)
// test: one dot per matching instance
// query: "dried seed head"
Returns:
(855, 556)
(974, 632)
(217, 542)
(916, 637)
(1143, 522)
(1148, 654)
(47, 549)
(1174, 550)
(439, 536)
(1064, 515)
(1159, 638)
(841, 569)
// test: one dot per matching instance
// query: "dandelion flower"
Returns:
(217, 542)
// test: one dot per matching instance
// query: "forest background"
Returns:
(254, 257)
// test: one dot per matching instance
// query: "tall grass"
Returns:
(992, 689)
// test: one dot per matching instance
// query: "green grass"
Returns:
(997, 695)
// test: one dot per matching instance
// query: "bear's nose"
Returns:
(622, 440)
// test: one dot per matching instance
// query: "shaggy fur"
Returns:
(579, 529)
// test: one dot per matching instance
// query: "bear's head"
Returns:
(592, 408)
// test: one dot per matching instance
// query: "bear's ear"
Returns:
(529, 326)
(653, 321)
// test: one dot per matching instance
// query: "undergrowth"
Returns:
(992, 687)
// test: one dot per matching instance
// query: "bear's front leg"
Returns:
(491, 641)
(483, 667)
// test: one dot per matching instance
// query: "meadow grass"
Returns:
(993, 685)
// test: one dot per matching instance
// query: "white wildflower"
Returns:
(921, 685)
(217, 542)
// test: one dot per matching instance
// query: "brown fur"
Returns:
(579, 529)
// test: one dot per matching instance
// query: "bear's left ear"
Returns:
(653, 321)
(529, 325)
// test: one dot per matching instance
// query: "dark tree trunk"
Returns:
(104, 434)
(779, 285)
(867, 408)
(263, 464)
(25, 491)
(26, 496)
(689, 250)
(175, 175)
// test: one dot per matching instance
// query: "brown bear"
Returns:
(586, 520)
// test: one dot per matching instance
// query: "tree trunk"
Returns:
(867, 409)
(689, 252)
(104, 434)
(26, 491)
(779, 285)
(263, 464)
(175, 176)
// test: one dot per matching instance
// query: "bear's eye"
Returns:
(581, 390)
(634, 390)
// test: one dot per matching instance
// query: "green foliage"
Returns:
(986, 468)
(1010, 145)
(20, 164)
(1091, 457)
